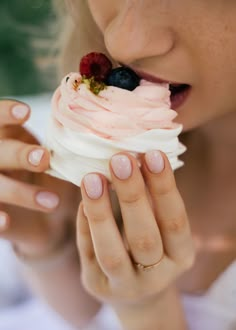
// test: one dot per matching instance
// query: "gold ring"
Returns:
(148, 267)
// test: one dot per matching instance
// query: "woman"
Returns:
(187, 43)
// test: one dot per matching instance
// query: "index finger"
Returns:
(13, 112)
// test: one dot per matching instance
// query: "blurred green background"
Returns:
(27, 35)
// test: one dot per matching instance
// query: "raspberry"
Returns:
(95, 65)
(124, 78)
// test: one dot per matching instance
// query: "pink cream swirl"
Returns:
(114, 113)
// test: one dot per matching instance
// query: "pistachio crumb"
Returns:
(94, 86)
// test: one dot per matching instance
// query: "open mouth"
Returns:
(179, 93)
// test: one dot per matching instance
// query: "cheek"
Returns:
(102, 12)
(207, 102)
(218, 85)
(214, 93)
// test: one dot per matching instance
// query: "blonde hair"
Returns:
(80, 35)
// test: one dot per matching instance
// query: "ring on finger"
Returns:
(146, 268)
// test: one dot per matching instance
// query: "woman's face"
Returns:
(180, 41)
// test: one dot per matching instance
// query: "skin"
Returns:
(199, 52)
(19, 174)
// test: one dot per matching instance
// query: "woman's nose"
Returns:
(138, 31)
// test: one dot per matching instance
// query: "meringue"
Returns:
(86, 130)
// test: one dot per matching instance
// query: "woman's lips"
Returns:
(154, 79)
(176, 99)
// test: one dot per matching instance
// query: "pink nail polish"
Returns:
(47, 199)
(155, 161)
(20, 111)
(36, 156)
(121, 166)
(93, 186)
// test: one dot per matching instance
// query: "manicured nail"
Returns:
(36, 156)
(47, 199)
(155, 161)
(20, 111)
(93, 185)
(121, 166)
(3, 221)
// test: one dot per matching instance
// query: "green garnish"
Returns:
(94, 86)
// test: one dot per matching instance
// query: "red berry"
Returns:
(95, 65)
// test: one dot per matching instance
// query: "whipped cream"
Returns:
(85, 129)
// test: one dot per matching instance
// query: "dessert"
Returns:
(106, 111)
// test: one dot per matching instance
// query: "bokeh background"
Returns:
(29, 39)
(28, 30)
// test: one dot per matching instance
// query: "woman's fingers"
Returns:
(141, 230)
(168, 207)
(84, 239)
(92, 275)
(85, 244)
(107, 241)
(27, 196)
(13, 112)
(18, 156)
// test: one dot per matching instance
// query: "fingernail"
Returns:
(155, 161)
(93, 185)
(3, 221)
(121, 166)
(20, 111)
(47, 199)
(36, 156)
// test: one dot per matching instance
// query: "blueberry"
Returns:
(123, 77)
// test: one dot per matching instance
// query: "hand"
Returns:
(156, 231)
(30, 216)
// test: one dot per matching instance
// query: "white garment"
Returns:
(12, 290)
(215, 310)
(31, 315)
